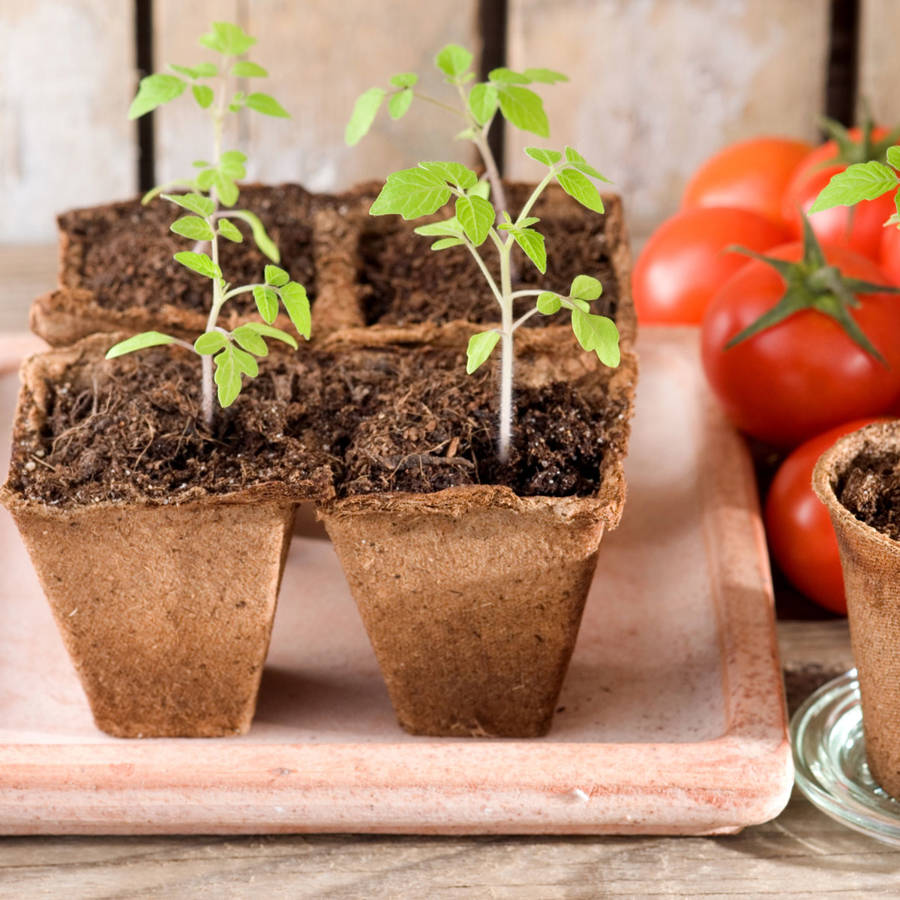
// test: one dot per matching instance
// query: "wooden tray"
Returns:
(671, 720)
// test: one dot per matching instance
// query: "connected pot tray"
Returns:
(671, 719)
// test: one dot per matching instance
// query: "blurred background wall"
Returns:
(656, 86)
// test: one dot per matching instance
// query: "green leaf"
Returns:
(502, 75)
(257, 229)
(405, 80)
(456, 173)
(232, 162)
(276, 276)
(545, 76)
(449, 227)
(547, 157)
(480, 347)
(153, 91)
(250, 340)
(203, 95)
(581, 164)
(245, 362)
(483, 101)
(532, 242)
(195, 203)
(584, 287)
(227, 38)
(296, 302)
(364, 111)
(476, 216)
(447, 243)
(206, 70)
(524, 109)
(206, 178)
(861, 181)
(210, 342)
(186, 71)
(399, 103)
(269, 331)
(139, 342)
(266, 302)
(597, 333)
(227, 376)
(226, 189)
(229, 231)
(199, 262)
(579, 186)
(453, 60)
(482, 189)
(548, 303)
(411, 193)
(266, 105)
(193, 227)
(246, 69)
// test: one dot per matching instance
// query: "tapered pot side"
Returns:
(871, 566)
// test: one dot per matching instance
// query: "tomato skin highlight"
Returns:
(750, 174)
(685, 261)
(803, 375)
(889, 253)
(798, 527)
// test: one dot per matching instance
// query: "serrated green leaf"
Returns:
(227, 376)
(296, 303)
(139, 342)
(405, 80)
(548, 303)
(250, 340)
(226, 190)
(203, 95)
(364, 111)
(210, 342)
(483, 101)
(229, 231)
(893, 156)
(232, 164)
(545, 76)
(266, 301)
(532, 243)
(206, 178)
(193, 227)
(582, 165)
(480, 347)
(246, 69)
(195, 203)
(227, 38)
(453, 60)
(275, 333)
(446, 243)
(411, 193)
(399, 103)
(245, 362)
(524, 109)
(198, 262)
(267, 105)
(861, 181)
(482, 189)
(450, 227)
(502, 75)
(276, 276)
(597, 333)
(547, 157)
(578, 185)
(257, 229)
(475, 216)
(456, 173)
(585, 287)
(206, 70)
(153, 91)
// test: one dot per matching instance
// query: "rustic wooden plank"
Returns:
(659, 85)
(321, 55)
(812, 653)
(26, 270)
(879, 63)
(66, 79)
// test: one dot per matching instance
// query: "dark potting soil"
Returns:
(128, 261)
(871, 491)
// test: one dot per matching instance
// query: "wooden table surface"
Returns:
(802, 853)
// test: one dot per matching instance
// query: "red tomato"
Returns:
(751, 175)
(890, 252)
(799, 528)
(803, 375)
(859, 228)
(685, 261)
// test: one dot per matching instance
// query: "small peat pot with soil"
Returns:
(858, 480)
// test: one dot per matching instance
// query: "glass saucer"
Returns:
(830, 761)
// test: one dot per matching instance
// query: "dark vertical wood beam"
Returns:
(143, 37)
(843, 61)
(492, 18)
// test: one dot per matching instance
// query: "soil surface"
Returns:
(128, 250)
(405, 282)
(871, 491)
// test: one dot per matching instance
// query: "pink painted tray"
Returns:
(671, 719)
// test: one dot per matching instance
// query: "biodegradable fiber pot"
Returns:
(871, 564)
(166, 609)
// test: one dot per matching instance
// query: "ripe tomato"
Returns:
(750, 174)
(804, 374)
(889, 255)
(859, 227)
(686, 261)
(799, 528)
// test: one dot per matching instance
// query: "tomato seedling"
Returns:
(213, 191)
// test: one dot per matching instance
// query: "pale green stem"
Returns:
(444, 106)
(485, 271)
(523, 319)
(244, 289)
(506, 356)
(529, 293)
(536, 193)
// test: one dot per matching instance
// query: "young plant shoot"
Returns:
(212, 195)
